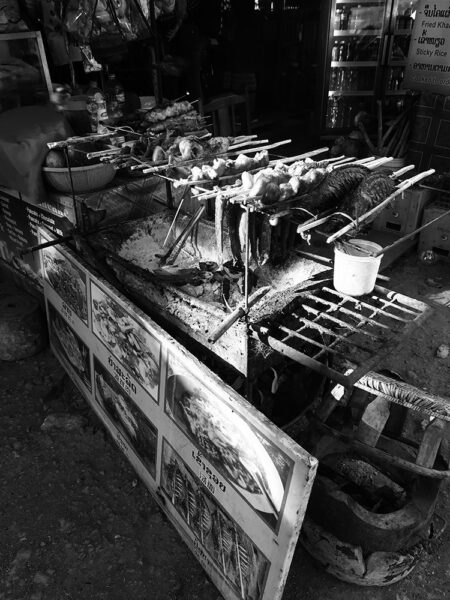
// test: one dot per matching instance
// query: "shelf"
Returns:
(350, 93)
(354, 63)
(357, 32)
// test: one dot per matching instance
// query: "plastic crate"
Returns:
(404, 214)
(436, 237)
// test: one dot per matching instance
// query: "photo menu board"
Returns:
(233, 484)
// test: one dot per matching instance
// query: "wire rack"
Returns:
(338, 335)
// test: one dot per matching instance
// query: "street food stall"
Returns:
(238, 274)
(221, 303)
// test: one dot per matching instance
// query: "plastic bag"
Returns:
(78, 18)
(10, 17)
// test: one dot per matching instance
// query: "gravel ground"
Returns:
(77, 524)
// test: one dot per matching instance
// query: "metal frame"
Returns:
(29, 35)
(360, 332)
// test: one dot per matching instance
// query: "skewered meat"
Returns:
(247, 180)
(196, 174)
(219, 145)
(209, 172)
(259, 187)
(174, 110)
(243, 163)
(158, 154)
(219, 166)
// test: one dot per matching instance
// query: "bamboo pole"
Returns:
(405, 185)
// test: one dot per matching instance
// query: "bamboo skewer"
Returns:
(405, 185)
(107, 152)
(75, 140)
(379, 162)
(345, 160)
(402, 171)
(247, 143)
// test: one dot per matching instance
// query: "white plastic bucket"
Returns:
(355, 271)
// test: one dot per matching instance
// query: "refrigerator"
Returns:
(366, 46)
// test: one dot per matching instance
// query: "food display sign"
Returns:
(428, 65)
(233, 484)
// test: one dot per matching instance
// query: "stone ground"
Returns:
(77, 524)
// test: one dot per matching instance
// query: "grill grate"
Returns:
(338, 335)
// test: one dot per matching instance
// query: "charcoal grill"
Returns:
(340, 336)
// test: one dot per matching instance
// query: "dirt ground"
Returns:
(77, 524)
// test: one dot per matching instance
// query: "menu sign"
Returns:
(19, 223)
(428, 66)
(233, 484)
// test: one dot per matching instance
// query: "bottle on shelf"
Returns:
(337, 19)
(115, 98)
(335, 51)
(96, 106)
(334, 78)
(344, 20)
(342, 51)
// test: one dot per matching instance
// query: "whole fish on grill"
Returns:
(336, 186)
(372, 190)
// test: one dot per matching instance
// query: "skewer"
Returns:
(362, 161)
(402, 171)
(267, 147)
(243, 138)
(247, 143)
(379, 161)
(405, 185)
(290, 159)
(315, 221)
(174, 219)
(76, 140)
(345, 160)
(107, 152)
(178, 244)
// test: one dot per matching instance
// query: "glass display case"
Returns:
(368, 42)
(24, 74)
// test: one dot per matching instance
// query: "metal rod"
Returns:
(247, 259)
(347, 311)
(333, 319)
(360, 302)
(322, 329)
(174, 219)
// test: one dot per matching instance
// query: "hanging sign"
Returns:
(233, 484)
(428, 65)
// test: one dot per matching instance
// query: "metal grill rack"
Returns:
(338, 335)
